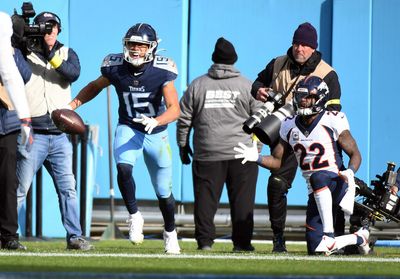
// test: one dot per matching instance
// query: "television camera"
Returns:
(265, 122)
(26, 36)
(377, 203)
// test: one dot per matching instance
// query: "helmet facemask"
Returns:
(140, 34)
(133, 55)
(314, 88)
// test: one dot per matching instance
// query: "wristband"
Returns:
(332, 102)
(254, 137)
(26, 121)
(259, 160)
(56, 61)
(352, 168)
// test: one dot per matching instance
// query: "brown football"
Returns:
(68, 121)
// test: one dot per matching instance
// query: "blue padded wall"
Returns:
(260, 31)
(362, 46)
(94, 30)
(385, 97)
(351, 57)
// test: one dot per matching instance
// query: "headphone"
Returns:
(42, 17)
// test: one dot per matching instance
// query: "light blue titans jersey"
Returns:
(139, 89)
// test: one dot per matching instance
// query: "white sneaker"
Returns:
(171, 242)
(327, 245)
(136, 222)
(363, 248)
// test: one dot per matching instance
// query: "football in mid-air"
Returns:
(68, 121)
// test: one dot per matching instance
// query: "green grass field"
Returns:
(120, 256)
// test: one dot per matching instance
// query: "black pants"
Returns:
(277, 200)
(8, 187)
(208, 181)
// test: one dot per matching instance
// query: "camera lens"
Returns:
(257, 117)
(268, 130)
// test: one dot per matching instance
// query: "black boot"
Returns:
(12, 245)
(246, 248)
(279, 244)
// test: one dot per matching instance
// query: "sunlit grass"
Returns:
(221, 260)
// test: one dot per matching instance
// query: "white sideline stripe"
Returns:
(254, 241)
(222, 257)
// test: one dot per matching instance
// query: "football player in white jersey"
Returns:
(317, 137)
(148, 101)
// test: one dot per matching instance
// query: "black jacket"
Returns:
(264, 78)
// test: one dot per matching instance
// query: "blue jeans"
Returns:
(55, 153)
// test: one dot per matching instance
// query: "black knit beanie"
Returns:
(224, 52)
(306, 34)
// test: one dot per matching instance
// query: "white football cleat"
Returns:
(171, 242)
(136, 222)
(327, 245)
(363, 248)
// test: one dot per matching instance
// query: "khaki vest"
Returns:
(47, 90)
(281, 80)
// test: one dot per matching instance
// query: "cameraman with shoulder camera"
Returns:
(281, 75)
(14, 119)
(54, 68)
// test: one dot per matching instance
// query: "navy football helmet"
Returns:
(140, 33)
(310, 87)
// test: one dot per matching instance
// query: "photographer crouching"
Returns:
(54, 67)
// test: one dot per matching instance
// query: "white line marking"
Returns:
(254, 241)
(196, 256)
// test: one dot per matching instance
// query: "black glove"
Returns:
(184, 152)
(18, 32)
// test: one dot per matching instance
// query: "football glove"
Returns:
(347, 202)
(149, 122)
(347, 175)
(26, 133)
(249, 154)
